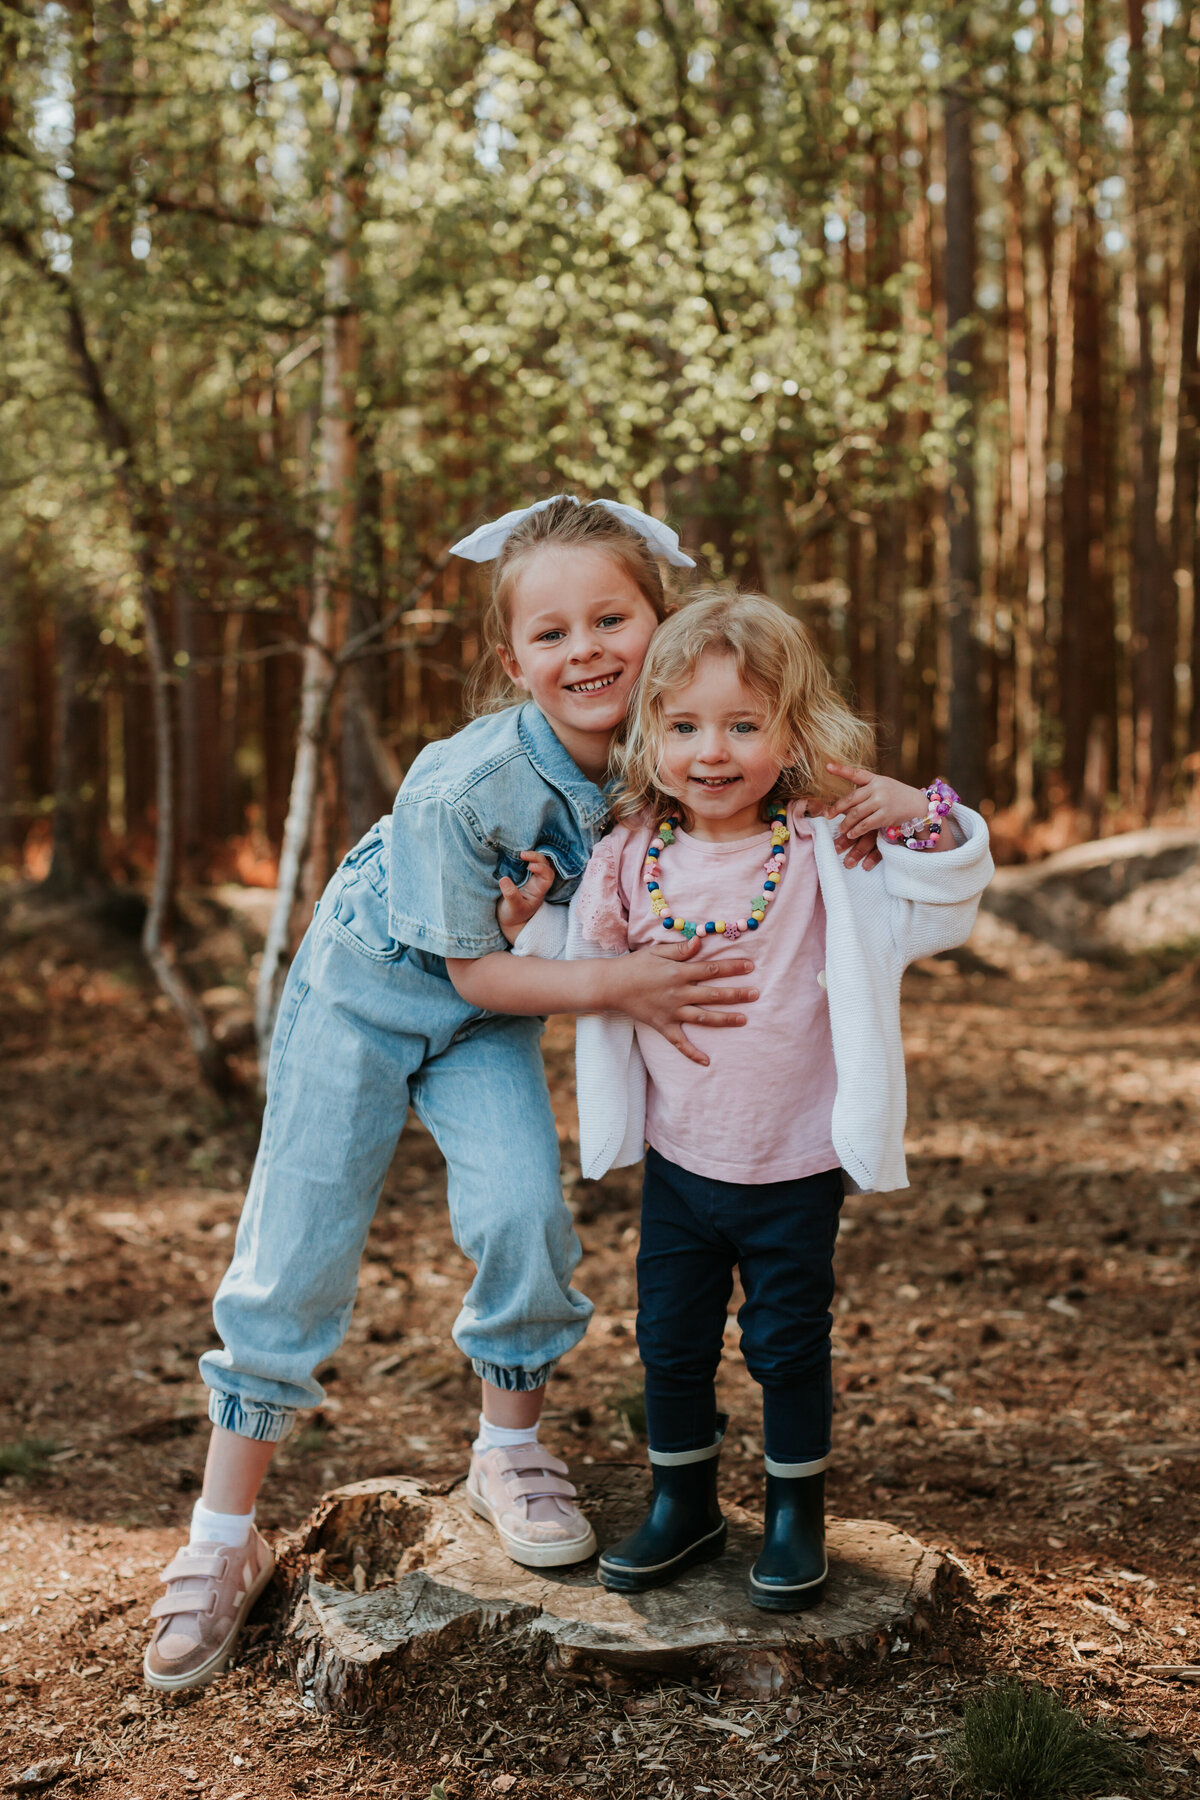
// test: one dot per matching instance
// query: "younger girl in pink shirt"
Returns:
(737, 739)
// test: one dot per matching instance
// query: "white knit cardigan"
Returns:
(877, 923)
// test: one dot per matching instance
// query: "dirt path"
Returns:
(1018, 1356)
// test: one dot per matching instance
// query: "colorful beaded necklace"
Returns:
(730, 928)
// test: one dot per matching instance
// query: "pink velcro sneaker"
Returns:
(210, 1590)
(524, 1493)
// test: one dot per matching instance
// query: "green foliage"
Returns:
(1022, 1743)
(28, 1458)
(593, 257)
(662, 252)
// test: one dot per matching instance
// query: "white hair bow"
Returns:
(488, 540)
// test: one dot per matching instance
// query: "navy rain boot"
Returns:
(789, 1575)
(684, 1525)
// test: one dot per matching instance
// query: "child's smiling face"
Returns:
(578, 635)
(719, 756)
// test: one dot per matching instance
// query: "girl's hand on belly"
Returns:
(656, 987)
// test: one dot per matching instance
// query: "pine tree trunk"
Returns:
(1154, 617)
(10, 739)
(1087, 643)
(76, 864)
(965, 746)
(1186, 559)
(365, 793)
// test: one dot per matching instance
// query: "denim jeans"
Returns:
(367, 1027)
(781, 1237)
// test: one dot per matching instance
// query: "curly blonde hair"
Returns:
(776, 658)
(564, 523)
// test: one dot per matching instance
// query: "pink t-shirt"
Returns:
(762, 1110)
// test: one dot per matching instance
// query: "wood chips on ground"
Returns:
(1017, 1354)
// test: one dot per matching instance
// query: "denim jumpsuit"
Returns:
(369, 1024)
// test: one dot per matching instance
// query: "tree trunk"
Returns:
(1152, 644)
(1186, 559)
(365, 794)
(1023, 423)
(1086, 656)
(327, 617)
(214, 1064)
(882, 264)
(359, 98)
(965, 748)
(76, 864)
(10, 744)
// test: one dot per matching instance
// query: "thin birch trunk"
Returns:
(357, 119)
(335, 524)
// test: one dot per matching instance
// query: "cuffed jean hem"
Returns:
(514, 1381)
(265, 1424)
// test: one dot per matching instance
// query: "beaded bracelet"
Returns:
(941, 797)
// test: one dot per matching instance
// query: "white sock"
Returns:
(219, 1528)
(503, 1437)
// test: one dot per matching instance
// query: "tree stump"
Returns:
(390, 1576)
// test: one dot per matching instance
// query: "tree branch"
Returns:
(342, 55)
(157, 202)
(353, 646)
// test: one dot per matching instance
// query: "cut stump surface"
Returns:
(391, 1575)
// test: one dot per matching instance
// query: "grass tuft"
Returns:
(28, 1458)
(630, 1405)
(311, 1439)
(1020, 1743)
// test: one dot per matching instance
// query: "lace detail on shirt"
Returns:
(598, 907)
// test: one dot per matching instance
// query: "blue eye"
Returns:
(682, 726)
(745, 725)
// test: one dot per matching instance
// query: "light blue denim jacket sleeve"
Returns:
(468, 807)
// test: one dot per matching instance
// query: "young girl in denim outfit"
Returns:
(403, 993)
(736, 739)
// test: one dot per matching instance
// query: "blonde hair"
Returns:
(778, 661)
(562, 524)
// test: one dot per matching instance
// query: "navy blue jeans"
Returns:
(781, 1237)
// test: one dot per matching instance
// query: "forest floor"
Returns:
(1017, 1360)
